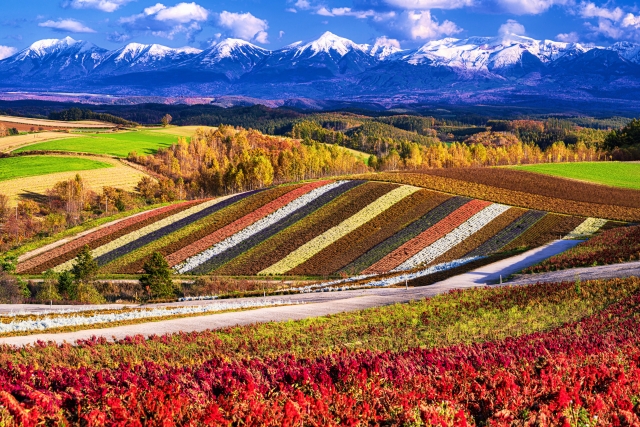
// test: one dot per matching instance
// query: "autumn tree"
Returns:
(166, 119)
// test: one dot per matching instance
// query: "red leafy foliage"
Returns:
(610, 247)
(588, 369)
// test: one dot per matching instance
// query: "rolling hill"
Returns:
(319, 229)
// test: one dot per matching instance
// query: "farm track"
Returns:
(316, 304)
(610, 271)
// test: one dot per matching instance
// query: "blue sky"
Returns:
(275, 23)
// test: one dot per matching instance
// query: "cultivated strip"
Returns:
(405, 234)
(230, 254)
(168, 229)
(128, 238)
(508, 234)
(93, 239)
(482, 236)
(588, 228)
(195, 261)
(133, 262)
(315, 245)
(348, 248)
(473, 225)
(274, 249)
(221, 234)
(427, 237)
(551, 227)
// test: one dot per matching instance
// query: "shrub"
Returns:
(11, 290)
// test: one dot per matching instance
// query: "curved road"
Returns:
(325, 303)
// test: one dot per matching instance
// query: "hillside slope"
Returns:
(319, 228)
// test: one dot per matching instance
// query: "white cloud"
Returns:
(7, 51)
(385, 41)
(346, 11)
(183, 13)
(417, 25)
(324, 12)
(511, 27)
(429, 4)
(571, 37)
(244, 26)
(103, 5)
(290, 9)
(167, 22)
(281, 34)
(631, 21)
(303, 4)
(590, 10)
(612, 23)
(70, 25)
(531, 7)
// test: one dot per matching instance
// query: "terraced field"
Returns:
(320, 228)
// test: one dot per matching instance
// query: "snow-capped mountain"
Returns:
(136, 57)
(489, 53)
(231, 57)
(52, 57)
(333, 67)
(326, 57)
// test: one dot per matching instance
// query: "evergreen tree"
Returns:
(157, 277)
(85, 268)
(65, 285)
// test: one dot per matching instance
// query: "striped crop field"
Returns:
(315, 229)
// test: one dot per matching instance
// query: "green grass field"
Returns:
(615, 174)
(113, 144)
(21, 167)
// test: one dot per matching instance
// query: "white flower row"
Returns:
(315, 245)
(454, 238)
(586, 229)
(134, 235)
(59, 322)
(388, 281)
(198, 298)
(255, 228)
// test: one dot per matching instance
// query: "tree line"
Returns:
(227, 160)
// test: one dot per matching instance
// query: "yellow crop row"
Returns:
(330, 236)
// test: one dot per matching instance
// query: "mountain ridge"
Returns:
(333, 67)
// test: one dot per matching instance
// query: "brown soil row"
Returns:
(385, 225)
(272, 250)
(481, 236)
(215, 222)
(108, 237)
(543, 185)
(549, 228)
(509, 197)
